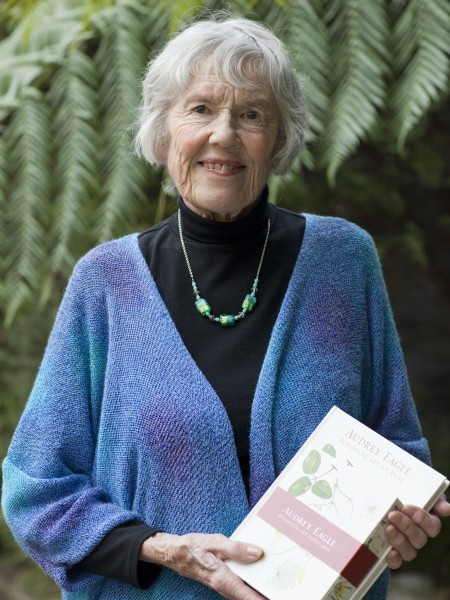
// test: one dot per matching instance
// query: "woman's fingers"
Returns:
(400, 543)
(428, 523)
(410, 529)
(394, 560)
(201, 557)
(238, 551)
(441, 508)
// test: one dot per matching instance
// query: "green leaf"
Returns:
(329, 449)
(312, 462)
(300, 486)
(322, 489)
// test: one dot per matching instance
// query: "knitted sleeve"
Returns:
(389, 407)
(50, 501)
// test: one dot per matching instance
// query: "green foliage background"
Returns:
(377, 81)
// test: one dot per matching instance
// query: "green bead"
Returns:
(227, 320)
(203, 307)
(249, 302)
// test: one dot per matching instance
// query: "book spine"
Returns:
(377, 544)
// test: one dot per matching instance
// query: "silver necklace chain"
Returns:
(202, 305)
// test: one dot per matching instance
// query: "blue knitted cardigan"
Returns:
(121, 423)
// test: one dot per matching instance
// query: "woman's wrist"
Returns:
(157, 548)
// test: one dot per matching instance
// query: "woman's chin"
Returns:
(222, 205)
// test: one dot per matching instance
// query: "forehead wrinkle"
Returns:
(207, 93)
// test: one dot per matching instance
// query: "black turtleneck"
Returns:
(224, 258)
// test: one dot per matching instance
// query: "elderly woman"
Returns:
(189, 363)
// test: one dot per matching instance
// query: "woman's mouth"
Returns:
(222, 167)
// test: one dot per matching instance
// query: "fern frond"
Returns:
(309, 41)
(36, 48)
(74, 100)
(421, 41)
(121, 58)
(359, 64)
(28, 139)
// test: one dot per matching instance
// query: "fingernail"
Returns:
(254, 551)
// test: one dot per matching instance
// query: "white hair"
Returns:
(243, 53)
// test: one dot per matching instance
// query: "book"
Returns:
(321, 523)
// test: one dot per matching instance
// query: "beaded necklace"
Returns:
(202, 305)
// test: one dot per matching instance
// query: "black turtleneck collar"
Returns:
(206, 231)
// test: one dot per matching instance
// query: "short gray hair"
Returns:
(242, 52)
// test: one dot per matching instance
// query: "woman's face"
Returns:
(221, 143)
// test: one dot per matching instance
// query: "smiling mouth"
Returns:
(222, 167)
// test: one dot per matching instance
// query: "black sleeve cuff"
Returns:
(117, 555)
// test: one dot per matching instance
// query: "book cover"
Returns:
(321, 523)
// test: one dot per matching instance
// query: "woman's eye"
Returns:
(251, 115)
(200, 109)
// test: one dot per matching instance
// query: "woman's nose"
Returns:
(224, 130)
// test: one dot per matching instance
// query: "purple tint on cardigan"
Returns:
(333, 319)
(169, 437)
(57, 512)
(60, 512)
(121, 273)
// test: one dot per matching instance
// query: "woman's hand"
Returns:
(410, 529)
(201, 557)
